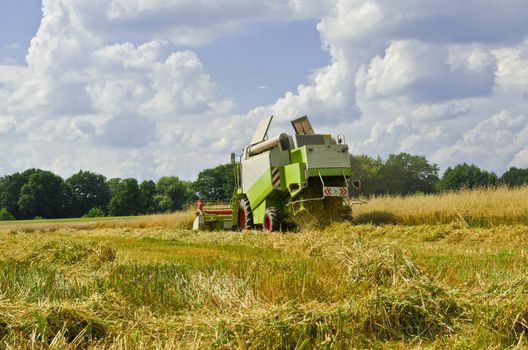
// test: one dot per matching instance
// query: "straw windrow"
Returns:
(445, 286)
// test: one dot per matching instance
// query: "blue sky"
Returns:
(19, 21)
(263, 61)
(136, 88)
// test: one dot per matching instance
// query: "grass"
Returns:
(67, 220)
(181, 219)
(150, 283)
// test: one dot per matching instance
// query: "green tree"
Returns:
(216, 184)
(113, 184)
(466, 176)
(148, 192)
(125, 197)
(189, 196)
(366, 169)
(5, 215)
(163, 204)
(172, 187)
(89, 190)
(10, 187)
(94, 213)
(45, 194)
(514, 177)
(404, 174)
(401, 173)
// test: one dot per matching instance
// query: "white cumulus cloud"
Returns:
(107, 86)
(421, 77)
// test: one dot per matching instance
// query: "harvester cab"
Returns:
(278, 178)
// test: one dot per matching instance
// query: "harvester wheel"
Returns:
(245, 215)
(271, 220)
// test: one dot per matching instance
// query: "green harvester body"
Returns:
(277, 177)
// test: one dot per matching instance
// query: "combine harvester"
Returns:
(277, 179)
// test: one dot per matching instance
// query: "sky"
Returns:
(147, 88)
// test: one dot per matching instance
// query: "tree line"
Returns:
(404, 174)
(37, 193)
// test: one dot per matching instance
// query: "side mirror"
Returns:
(356, 184)
(233, 158)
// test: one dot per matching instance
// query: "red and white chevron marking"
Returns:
(335, 191)
(275, 178)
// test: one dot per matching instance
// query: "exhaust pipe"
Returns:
(267, 145)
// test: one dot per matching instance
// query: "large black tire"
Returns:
(245, 215)
(271, 221)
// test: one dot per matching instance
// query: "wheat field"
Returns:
(478, 207)
(454, 282)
